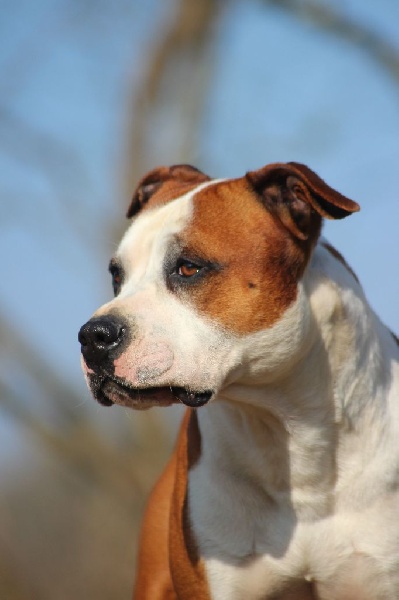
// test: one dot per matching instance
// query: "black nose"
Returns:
(99, 337)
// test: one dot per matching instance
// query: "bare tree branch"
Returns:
(176, 78)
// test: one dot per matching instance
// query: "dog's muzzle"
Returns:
(102, 340)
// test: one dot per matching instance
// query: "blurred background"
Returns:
(92, 95)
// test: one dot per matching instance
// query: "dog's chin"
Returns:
(108, 391)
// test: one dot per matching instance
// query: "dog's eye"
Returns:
(187, 272)
(117, 277)
(188, 269)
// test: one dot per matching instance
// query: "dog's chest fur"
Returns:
(264, 538)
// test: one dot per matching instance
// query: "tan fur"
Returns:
(231, 227)
(169, 566)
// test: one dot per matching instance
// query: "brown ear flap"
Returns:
(299, 197)
(325, 200)
(185, 175)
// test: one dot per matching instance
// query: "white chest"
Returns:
(257, 549)
(304, 505)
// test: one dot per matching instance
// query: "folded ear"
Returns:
(299, 197)
(184, 176)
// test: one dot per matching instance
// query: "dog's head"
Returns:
(207, 284)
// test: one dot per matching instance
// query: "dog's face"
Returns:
(207, 284)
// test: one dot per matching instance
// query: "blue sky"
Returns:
(281, 90)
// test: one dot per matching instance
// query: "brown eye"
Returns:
(116, 282)
(185, 273)
(117, 277)
(188, 269)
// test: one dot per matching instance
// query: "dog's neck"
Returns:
(351, 341)
(295, 429)
(282, 435)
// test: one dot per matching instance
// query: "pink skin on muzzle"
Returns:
(144, 364)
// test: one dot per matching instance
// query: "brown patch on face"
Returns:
(340, 258)
(260, 262)
(163, 184)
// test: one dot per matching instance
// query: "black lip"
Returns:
(140, 398)
(190, 398)
(168, 394)
(96, 383)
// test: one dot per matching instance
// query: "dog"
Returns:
(284, 481)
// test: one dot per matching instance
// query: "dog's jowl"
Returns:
(284, 483)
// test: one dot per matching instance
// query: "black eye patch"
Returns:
(184, 268)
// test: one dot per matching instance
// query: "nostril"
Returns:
(107, 334)
(82, 338)
(100, 335)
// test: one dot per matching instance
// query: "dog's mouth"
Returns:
(108, 391)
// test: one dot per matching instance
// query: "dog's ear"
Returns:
(299, 197)
(184, 176)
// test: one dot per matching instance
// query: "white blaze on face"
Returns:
(143, 247)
